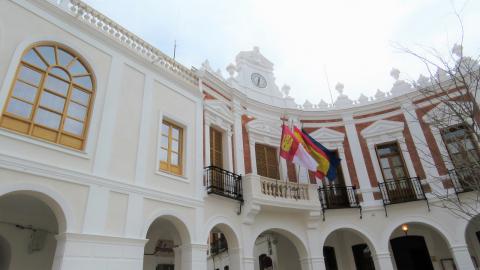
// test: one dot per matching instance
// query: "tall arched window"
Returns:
(51, 97)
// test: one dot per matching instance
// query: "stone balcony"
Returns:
(271, 194)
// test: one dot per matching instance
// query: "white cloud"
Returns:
(352, 39)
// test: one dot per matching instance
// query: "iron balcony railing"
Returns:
(402, 190)
(336, 197)
(224, 183)
(218, 246)
(465, 179)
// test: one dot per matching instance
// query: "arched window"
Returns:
(51, 97)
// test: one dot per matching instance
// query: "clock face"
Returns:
(258, 80)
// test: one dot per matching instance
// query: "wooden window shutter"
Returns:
(261, 159)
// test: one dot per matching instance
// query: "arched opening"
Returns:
(472, 237)
(223, 251)
(5, 254)
(348, 249)
(278, 250)
(30, 226)
(416, 246)
(163, 251)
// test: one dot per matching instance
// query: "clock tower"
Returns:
(255, 76)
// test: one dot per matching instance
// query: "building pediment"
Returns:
(445, 113)
(327, 135)
(264, 128)
(382, 127)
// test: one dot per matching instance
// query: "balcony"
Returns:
(465, 179)
(401, 191)
(223, 183)
(218, 246)
(279, 193)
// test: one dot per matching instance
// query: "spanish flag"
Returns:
(326, 160)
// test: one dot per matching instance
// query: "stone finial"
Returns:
(206, 65)
(339, 87)
(286, 90)
(362, 99)
(307, 104)
(379, 94)
(457, 50)
(395, 73)
(231, 70)
(256, 49)
(441, 75)
(423, 81)
(322, 104)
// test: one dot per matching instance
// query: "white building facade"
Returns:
(114, 156)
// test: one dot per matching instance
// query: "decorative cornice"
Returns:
(38, 169)
(88, 15)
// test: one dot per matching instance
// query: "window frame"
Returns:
(167, 167)
(267, 165)
(214, 149)
(78, 143)
(402, 159)
(469, 135)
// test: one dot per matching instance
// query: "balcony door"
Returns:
(216, 148)
(216, 159)
(394, 171)
(337, 194)
(267, 161)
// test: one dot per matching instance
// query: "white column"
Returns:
(383, 260)
(305, 263)
(358, 160)
(315, 251)
(229, 148)
(343, 163)
(194, 257)
(462, 257)
(144, 134)
(253, 156)
(238, 137)
(134, 221)
(207, 143)
(109, 115)
(283, 169)
(96, 211)
(177, 260)
(235, 258)
(248, 263)
(375, 162)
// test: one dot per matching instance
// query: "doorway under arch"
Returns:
(419, 246)
(347, 248)
(163, 251)
(278, 249)
(30, 226)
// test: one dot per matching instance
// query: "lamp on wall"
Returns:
(405, 229)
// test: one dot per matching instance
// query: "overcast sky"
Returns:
(352, 41)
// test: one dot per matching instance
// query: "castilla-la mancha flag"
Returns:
(293, 150)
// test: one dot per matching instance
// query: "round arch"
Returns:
(180, 223)
(227, 228)
(435, 226)
(297, 241)
(367, 237)
(57, 203)
(5, 253)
